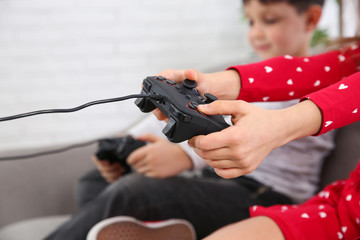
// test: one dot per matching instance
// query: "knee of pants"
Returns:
(132, 189)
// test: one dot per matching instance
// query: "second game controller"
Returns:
(118, 149)
(179, 103)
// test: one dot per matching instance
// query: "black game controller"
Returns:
(118, 149)
(179, 103)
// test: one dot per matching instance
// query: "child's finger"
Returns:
(225, 107)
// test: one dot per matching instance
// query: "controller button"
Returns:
(193, 105)
(146, 85)
(201, 98)
(161, 78)
(187, 96)
(169, 128)
(179, 115)
(170, 82)
(120, 149)
(190, 84)
(129, 139)
(210, 98)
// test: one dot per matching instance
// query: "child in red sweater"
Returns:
(335, 212)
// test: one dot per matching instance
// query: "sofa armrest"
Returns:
(41, 186)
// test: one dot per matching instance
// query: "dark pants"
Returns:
(208, 202)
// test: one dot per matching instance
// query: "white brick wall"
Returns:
(59, 54)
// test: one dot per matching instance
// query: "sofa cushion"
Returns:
(344, 157)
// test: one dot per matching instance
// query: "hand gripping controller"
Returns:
(118, 149)
(179, 103)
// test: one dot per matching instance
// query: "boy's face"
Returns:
(276, 29)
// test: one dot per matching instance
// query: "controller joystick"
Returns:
(118, 149)
(189, 84)
(179, 103)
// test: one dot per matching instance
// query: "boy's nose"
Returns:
(256, 31)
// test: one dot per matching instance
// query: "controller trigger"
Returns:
(209, 98)
(169, 128)
(144, 104)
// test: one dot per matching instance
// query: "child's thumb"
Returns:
(148, 138)
(192, 74)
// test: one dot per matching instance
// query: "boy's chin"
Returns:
(270, 54)
(265, 56)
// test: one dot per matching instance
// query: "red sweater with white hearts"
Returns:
(327, 79)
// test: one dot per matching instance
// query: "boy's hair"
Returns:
(300, 5)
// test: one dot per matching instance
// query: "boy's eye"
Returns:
(271, 20)
(251, 22)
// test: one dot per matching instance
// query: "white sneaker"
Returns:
(128, 228)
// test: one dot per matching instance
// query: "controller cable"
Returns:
(67, 110)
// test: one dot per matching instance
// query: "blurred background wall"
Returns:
(61, 54)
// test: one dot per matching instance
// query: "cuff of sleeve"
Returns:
(321, 107)
(247, 92)
(198, 162)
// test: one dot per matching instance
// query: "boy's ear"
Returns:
(313, 15)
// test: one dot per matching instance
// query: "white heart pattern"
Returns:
(284, 208)
(268, 69)
(291, 93)
(299, 69)
(325, 194)
(251, 80)
(341, 58)
(328, 123)
(323, 214)
(340, 235)
(317, 83)
(305, 215)
(306, 60)
(343, 86)
(348, 197)
(288, 57)
(327, 69)
(355, 111)
(266, 98)
(344, 229)
(290, 82)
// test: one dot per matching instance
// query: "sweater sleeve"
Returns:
(288, 77)
(339, 103)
